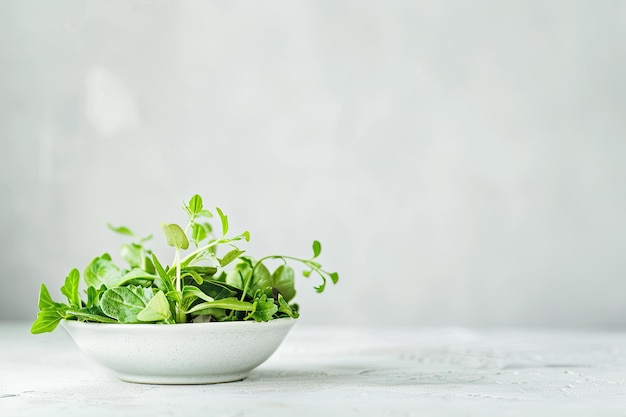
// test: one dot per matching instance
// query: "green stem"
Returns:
(186, 259)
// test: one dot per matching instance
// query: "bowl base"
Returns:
(182, 380)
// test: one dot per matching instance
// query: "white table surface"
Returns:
(341, 371)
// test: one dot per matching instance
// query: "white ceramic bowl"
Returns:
(190, 353)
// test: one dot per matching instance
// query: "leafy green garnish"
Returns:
(199, 282)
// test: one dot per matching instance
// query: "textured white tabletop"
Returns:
(342, 371)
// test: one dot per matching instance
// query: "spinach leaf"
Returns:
(158, 309)
(125, 303)
(283, 279)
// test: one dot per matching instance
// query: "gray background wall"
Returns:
(461, 161)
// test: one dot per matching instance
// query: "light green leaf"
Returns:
(102, 271)
(195, 205)
(205, 213)
(225, 303)
(164, 281)
(334, 277)
(132, 254)
(230, 256)
(175, 236)
(224, 220)
(93, 314)
(157, 309)
(136, 274)
(191, 294)
(123, 230)
(45, 301)
(125, 303)
(70, 289)
(193, 274)
(47, 320)
(317, 248)
(200, 231)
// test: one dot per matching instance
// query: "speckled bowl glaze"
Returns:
(191, 353)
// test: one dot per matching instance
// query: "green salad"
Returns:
(209, 279)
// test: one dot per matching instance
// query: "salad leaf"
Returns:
(197, 285)
(125, 303)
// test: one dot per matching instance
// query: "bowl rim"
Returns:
(140, 326)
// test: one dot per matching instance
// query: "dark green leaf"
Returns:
(205, 271)
(261, 279)
(263, 309)
(317, 248)
(284, 307)
(70, 289)
(175, 236)
(218, 290)
(284, 281)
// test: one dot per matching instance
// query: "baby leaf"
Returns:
(195, 205)
(284, 281)
(230, 256)
(47, 320)
(317, 248)
(263, 309)
(122, 230)
(157, 309)
(164, 281)
(284, 307)
(70, 289)
(45, 301)
(226, 303)
(191, 291)
(102, 271)
(125, 303)
(224, 220)
(132, 253)
(193, 274)
(334, 277)
(175, 236)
